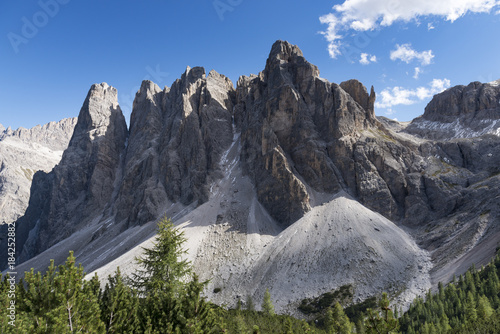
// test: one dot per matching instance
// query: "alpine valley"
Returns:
(286, 182)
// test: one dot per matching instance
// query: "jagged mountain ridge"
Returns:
(461, 112)
(299, 139)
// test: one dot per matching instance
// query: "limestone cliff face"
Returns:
(302, 139)
(461, 112)
(82, 183)
(177, 136)
(290, 120)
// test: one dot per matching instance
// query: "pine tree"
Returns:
(250, 306)
(342, 325)
(162, 268)
(382, 323)
(61, 301)
(267, 305)
(470, 308)
(288, 326)
(119, 306)
(484, 309)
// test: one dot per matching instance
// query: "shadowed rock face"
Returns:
(177, 136)
(301, 137)
(82, 183)
(290, 119)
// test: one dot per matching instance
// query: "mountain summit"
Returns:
(284, 182)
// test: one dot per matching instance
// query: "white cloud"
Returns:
(407, 54)
(331, 34)
(417, 73)
(390, 97)
(367, 59)
(430, 26)
(363, 15)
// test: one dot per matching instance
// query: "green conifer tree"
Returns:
(383, 323)
(161, 267)
(241, 327)
(288, 326)
(342, 325)
(119, 306)
(470, 308)
(61, 301)
(250, 306)
(267, 304)
(484, 309)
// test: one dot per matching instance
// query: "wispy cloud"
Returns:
(407, 54)
(430, 26)
(417, 73)
(367, 59)
(363, 15)
(390, 97)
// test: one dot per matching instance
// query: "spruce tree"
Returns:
(119, 306)
(288, 326)
(161, 267)
(61, 301)
(267, 305)
(470, 308)
(383, 322)
(484, 309)
(171, 294)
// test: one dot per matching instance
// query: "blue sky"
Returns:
(52, 51)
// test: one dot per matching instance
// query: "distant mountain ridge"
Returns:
(244, 171)
(22, 153)
(461, 112)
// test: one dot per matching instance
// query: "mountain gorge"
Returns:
(287, 182)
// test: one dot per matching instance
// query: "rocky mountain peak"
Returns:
(98, 112)
(286, 62)
(359, 93)
(460, 112)
(148, 88)
(283, 50)
(193, 74)
(474, 100)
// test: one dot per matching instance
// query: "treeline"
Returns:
(165, 296)
(469, 304)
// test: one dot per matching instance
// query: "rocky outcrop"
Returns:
(359, 93)
(460, 112)
(290, 120)
(82, 183)
(293, 140)
(177, 137)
